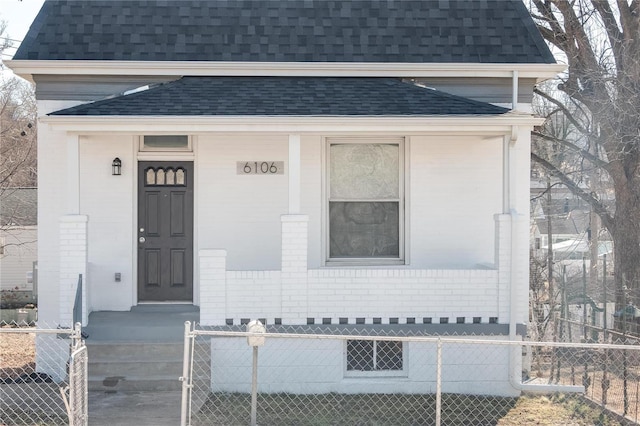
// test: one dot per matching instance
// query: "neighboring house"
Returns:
(18, 238)
(279, 160)
(570, 220)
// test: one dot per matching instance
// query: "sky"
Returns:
(18, 14)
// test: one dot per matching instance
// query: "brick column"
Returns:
(73, 262)
(213, 286)
(294, 268)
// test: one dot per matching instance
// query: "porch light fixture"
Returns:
(116, 167)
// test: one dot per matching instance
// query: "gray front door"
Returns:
(165, 231)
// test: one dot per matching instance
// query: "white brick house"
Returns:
(302, 169)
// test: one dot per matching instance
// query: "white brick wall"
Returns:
(213, 284)
(73, 262)
(402, 294)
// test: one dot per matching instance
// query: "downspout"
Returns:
(514, 91)
(515, 375)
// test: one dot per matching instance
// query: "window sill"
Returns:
(363, 263)
(400, 374)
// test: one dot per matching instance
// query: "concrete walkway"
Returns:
(134, 408)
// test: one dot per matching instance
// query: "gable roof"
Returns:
(286, 96)
(361, 31)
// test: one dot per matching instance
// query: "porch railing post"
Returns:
(439, 383)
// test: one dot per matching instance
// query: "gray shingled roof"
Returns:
(402, 31)
(18, 206)
(292, 96)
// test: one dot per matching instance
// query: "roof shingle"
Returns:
(399, 31)
(286, 96)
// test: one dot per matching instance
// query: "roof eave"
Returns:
(29, 68)
(476, 124)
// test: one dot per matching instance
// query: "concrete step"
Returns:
(139, 350)
(129, 366)
(129, 351)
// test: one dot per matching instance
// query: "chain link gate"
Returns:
(78, 402)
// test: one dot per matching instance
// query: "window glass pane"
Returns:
(361, 229)
(389, 355)
(166, 141)
(360, 355)
(364, 171)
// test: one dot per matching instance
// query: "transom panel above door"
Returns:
(165, 231)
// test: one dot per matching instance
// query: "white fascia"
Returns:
(488, 125)
(28, 68)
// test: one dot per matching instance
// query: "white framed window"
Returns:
(375, 358)
(165, 143)
(365, 201)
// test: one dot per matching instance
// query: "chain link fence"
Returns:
(41, 382)
(318, 375)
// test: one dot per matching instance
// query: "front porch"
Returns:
(297, 294)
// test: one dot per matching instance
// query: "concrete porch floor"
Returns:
(143, 323)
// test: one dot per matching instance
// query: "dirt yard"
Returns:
(17, 354)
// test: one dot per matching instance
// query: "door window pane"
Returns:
(180, 177)
(151, 177)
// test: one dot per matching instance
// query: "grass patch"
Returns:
(557, 409)
(334, 409)
(10, 416)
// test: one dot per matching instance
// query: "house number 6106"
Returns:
(260, 167)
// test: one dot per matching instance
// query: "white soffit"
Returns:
(454, 125)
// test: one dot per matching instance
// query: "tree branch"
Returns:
(567, 113)
(611, 26)
(598, 207)
(583, 153)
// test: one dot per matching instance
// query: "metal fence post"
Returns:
(185, 418)
(254, 388)
(439, 383)
(76, 336)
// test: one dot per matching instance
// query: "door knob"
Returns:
(142, 239)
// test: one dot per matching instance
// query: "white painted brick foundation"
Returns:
(308, 366)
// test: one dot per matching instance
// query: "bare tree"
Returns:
(17, 133)
(599, 98)
(18, 161)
